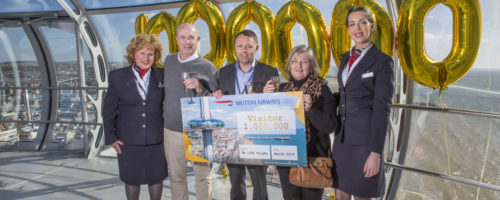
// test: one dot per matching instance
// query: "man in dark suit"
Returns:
(232, 79)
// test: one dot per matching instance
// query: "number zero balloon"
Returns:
(213, 17)
(311, 19)
(465, 46)
(263, 17)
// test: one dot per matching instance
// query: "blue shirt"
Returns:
(242, 78)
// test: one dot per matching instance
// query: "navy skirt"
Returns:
(349, 162)
(140, 164)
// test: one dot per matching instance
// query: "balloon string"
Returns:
(486, 151)
(443, 106)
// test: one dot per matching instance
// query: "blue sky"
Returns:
(116, 30)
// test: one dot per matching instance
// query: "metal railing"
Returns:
(441, 175)
(444, 176)
(448, 110)
(25, 96)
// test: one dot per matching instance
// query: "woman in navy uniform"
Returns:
(132, 116)
(365, 80)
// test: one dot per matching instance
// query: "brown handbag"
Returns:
(318, 174)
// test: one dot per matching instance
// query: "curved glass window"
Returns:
(10, 6)
(18, 68)
(98, 4)
(62, 43)
(456, 144)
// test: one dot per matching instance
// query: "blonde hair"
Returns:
(143, 40)
(313, 64)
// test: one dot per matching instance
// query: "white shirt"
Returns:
(347, 72)
(194, 56)
(142, 83)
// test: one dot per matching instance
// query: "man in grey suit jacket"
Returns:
(232, 79)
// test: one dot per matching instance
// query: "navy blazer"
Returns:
(365, 100)
(129, 118)
(226, 77)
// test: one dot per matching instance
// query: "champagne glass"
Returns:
(185, 76)
(249, 88)
(275, 82)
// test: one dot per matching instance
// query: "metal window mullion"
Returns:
(83, 93)
(86, 28)
(47, 75)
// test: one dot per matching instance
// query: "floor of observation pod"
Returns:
(66, 175)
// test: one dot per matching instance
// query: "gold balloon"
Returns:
(213, 17)
(311, 19)
(382, 36)
(465, 46)
(140, 23)
(160, 22)
(187, 150)
(263, 17)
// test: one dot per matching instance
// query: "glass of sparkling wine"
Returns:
(185, 76)
(249, 88)
(276, 82)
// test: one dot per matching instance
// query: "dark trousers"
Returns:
(292, 192)
(237, 178)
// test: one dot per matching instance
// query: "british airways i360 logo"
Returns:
(227, 102)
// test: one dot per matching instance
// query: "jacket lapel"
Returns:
(343, 63)
(129, 80)
(257, 73)
(153, 82)
(365, 63)
(231, 79)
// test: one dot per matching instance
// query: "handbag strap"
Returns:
(315, 168)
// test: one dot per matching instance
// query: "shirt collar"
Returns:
(194, 56)
(238, 70)
(363, 51)
(145, 78)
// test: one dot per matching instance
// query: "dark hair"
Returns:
(368, 14)
(248, 33)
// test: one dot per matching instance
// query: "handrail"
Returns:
(444, 176)
(54, 88)
(448, 110)
(51, 122)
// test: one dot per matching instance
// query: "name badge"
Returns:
(367, 75)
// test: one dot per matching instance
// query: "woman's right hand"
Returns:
(116, 145)
(268, 88)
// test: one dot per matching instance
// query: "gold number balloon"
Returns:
(383, 35)
(314, 24)
(263, 17)
(160, 22)
(465, 45)
(140, 23)
(213, 17)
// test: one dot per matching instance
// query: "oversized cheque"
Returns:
(256, 129)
